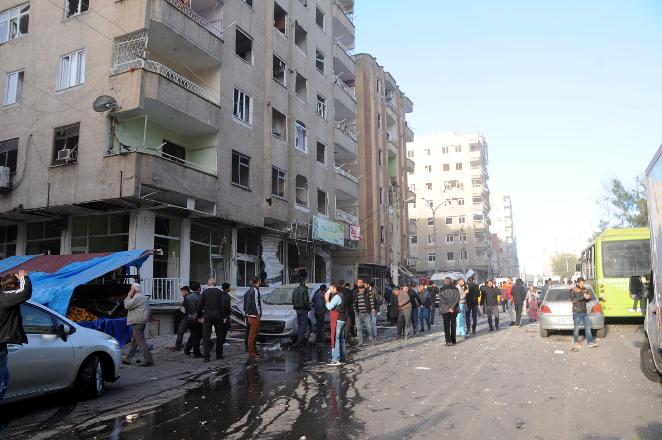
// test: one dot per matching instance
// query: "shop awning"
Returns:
(55, 277)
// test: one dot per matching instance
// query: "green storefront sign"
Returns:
(329, 231)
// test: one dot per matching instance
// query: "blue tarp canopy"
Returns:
(12, 262)
(54, 290)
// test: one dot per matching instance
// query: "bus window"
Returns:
(623, 259)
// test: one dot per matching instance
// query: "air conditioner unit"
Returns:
(64, 155)
(5, 181)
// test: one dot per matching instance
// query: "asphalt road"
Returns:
(510, 384)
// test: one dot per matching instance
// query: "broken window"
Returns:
(242, 106)
(75, 7)
(450, 238)
(14, 22)
(9, 153)
(322, 202)
(241, 169)
(300, 37)
(278, 125)
(243, 46)
(72, 70)
(279, 70)
(300, 136)
(301, 87)
(319, 60)
(321, 106)
(449, 220)
(432, 257)
(321, 153)
(301, 190)
(277, 182)
(280, 19)
(319, 17)
(65, 144)
(14, 88)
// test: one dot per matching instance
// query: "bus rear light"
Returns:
(545, 309)
(596, 309)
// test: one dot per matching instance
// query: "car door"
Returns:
(45, 362)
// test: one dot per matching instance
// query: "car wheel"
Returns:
(544, 332)
(601, 332)
(647, 362)
(91, 383)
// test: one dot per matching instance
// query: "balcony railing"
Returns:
(190, 13)
(344, 49)
(170, 158)
(348, 215)
(349, 130)
(389, 104)
(162, 290)
(348, 14)
(346, 174)
(351, 91)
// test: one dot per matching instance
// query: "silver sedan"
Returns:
(59, 355)
(556, 312)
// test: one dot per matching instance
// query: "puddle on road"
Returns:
(284, 396)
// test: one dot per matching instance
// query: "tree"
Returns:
(626, 207)
(564, 264)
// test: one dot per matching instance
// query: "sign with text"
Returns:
(355, 232)
(329, 231)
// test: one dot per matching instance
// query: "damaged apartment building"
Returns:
(221, 132)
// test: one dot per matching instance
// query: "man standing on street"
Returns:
(424, 309)
(301, 304)
(449, 299)
(16, 289)
(434, 294)
(214, 311)
(253, 310)
(350, 316)
(580, 296)
(378, 299)
(473, 291)
(190, 322)
(319, 307)
(404, 305)
(364, 308)
(518, 294)
(136, 306)
(490, 299)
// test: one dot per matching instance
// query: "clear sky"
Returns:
(567, 94)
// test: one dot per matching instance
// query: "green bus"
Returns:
(609, 262)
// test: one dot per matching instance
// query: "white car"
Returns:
(60, 354)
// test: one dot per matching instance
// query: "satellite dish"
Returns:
(104, 103)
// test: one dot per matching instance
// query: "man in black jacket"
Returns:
(434, 294)
(472, 305)
(301, 304)
(214, 311)
(16, 289)
(519, 294)
(490, 299)
(449, 299)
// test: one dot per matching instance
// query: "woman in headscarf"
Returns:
(532, 304)
(461, 317)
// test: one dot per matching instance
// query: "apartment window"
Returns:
(430, 239)
(462, 237)
(242, 106)
(450, 256)
(14, 88)
(428, 168)
(458, 148)
(412, 187)
(173, 152)
(321, 153)
(428, 186)
(243, 46)
(479, 217)
(461, 219)
(279, 70)
(381, 235)
(241, 169)
(449, 220)
(453, 184)
(410, 154)
(480, 235)
(277, 182)
(75, 7)
(248, 2)
(321, 106)
(464, 255)
(430, 221)
(379, 120)
(458, 166)
(446, 167)
(319, 60)
(460, 202)
(449, 238)
(381, 195)
(414, 239)
(300, 136)
(9, 153)
(278, 124)
(380, 157)
(477, 200)
(427, 151)
(72, 70)
(319, 17)
(301, 190)
(476, 182)
(280, 19)
(444, 150)
(475, 164)
(432, 257)
(379, 85)
(65, 144)
(430, 203)
(322, 202)
(301, 87)
(300, 37)
(14, 22)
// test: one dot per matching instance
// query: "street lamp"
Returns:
(430, 204)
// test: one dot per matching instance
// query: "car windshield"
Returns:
(623, 259)
(563, 295)
(280, 296)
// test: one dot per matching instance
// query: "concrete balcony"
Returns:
(348, 215)
(409, 134)
(344, 99)
(392, 147)
(343, 24)
(409, 106)
(343, 60)
(411, 166)
(345, 141)
(347, 186)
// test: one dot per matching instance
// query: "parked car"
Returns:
(59, 355)
(278, 317)
(556, 312)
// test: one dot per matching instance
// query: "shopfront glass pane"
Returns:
(119, 224)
